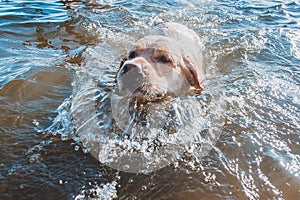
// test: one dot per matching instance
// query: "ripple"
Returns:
(252, 56)
(31, 12)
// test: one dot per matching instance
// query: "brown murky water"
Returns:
(50, 52)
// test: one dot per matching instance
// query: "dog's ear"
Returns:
(122, 63)
(191, 73)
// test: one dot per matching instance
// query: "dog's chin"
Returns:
(145, 94)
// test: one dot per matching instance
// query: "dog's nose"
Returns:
(128, 67)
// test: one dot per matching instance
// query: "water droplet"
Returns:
(125, 167)
(35, 122)
(77, 147)
(12, 171)
(144, 187)
(130, 181)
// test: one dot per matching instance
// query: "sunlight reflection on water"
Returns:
(56, 57)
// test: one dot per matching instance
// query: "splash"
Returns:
(136, 137)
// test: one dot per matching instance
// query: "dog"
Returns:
(166, 63)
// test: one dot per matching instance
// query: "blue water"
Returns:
(55, 51)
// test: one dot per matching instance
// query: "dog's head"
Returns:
(157, 66)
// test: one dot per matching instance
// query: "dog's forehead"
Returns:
(157, 43)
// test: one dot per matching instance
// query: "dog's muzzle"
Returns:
(130, 78)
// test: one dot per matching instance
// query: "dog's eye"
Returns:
(163, 59)
(132, 55)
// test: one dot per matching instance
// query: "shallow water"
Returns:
(56, 56)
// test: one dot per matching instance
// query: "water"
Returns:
(53, 52)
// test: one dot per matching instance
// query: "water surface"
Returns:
(52, 51)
